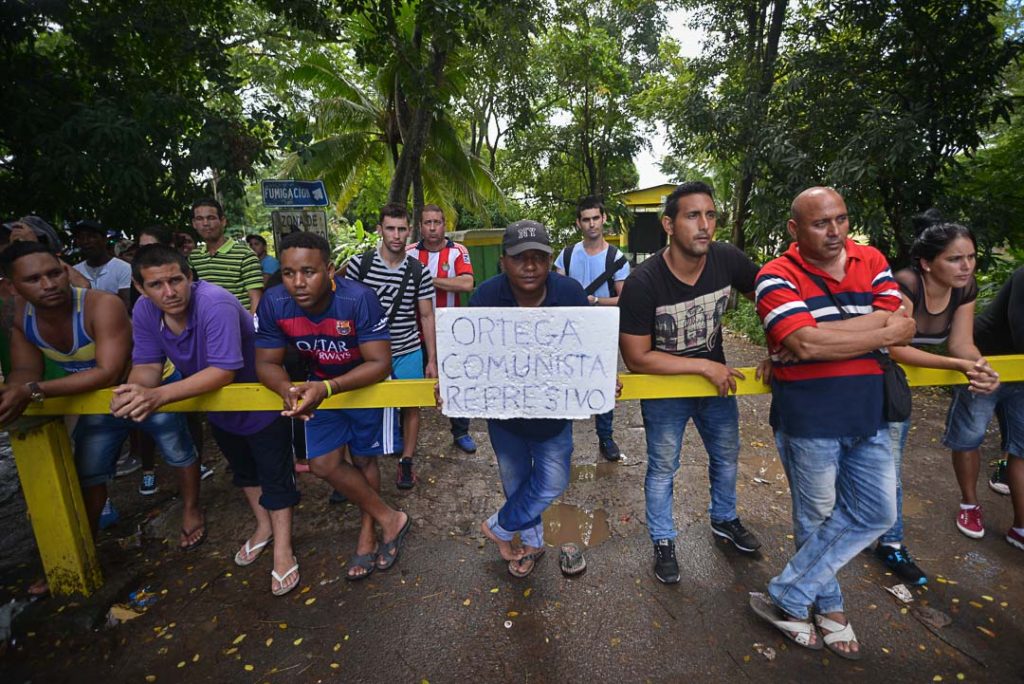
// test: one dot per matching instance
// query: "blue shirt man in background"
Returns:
(601, 269)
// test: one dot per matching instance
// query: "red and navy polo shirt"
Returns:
(825, 398)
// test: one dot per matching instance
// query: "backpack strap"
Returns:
(365, 263)
(413, 270)
(611, 266)
(567, 257)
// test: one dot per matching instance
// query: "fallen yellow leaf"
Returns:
(269, 641)
(249, 668)
(310, 601)
(466, 602)
(238, 639)
(297, 641)
(527, 592)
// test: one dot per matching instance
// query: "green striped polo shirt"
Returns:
(234, 267)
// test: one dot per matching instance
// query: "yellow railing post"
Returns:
(46, 467)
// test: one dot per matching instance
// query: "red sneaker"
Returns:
(969, 521)
(1015, 538)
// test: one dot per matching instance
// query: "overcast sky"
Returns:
(647, 160)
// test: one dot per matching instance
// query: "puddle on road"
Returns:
(567, 523)
(588, 472)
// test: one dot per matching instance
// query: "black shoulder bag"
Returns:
(897, 399)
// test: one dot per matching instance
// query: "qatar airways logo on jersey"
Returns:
(322, 345)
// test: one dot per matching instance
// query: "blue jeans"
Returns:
(98, 439)
(603, 425)
(898, 441)
(533, 474)
(844, 498)
(717, 421)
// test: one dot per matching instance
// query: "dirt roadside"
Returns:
(449, 611)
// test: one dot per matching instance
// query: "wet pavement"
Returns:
(449, 610)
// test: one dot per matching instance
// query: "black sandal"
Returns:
(571, 560)
(515, 567)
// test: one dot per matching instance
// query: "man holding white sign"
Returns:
(511, 369)
(672, 308)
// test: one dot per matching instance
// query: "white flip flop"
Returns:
(250, 549)
(281, 578)
(796, 630)
(832, 631)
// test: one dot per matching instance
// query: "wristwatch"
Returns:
(36, 394)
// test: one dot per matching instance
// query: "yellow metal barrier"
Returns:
(402, 393)
(46, 467)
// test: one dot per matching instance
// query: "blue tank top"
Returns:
(82, 355)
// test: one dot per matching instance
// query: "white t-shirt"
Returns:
(113, 276)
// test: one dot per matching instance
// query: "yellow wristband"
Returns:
(330, 390)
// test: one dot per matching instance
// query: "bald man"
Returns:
(827, 305)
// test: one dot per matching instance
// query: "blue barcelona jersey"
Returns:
(328, 343)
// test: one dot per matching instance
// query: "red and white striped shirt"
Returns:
(451, 261)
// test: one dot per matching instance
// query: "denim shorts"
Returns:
(970, 413)
(98, 439)
(366, 431)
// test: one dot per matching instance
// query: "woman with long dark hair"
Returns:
(939, 291)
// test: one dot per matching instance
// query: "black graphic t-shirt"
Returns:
(681, 319)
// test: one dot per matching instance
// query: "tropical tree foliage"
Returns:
(115, 109)
(882, 99)
(496, 110)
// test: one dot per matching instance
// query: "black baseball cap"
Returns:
(525, 235)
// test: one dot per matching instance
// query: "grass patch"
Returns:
(743, 319)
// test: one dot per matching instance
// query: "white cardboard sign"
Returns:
(558, 362)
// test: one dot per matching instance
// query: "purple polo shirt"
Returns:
(219, 333)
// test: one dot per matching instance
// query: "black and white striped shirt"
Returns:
(385, 281)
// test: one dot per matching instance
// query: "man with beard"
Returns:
(671, 324)
(406, 292)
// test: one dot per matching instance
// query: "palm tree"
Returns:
(355, 129)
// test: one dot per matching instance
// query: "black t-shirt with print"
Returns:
(681, 319)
